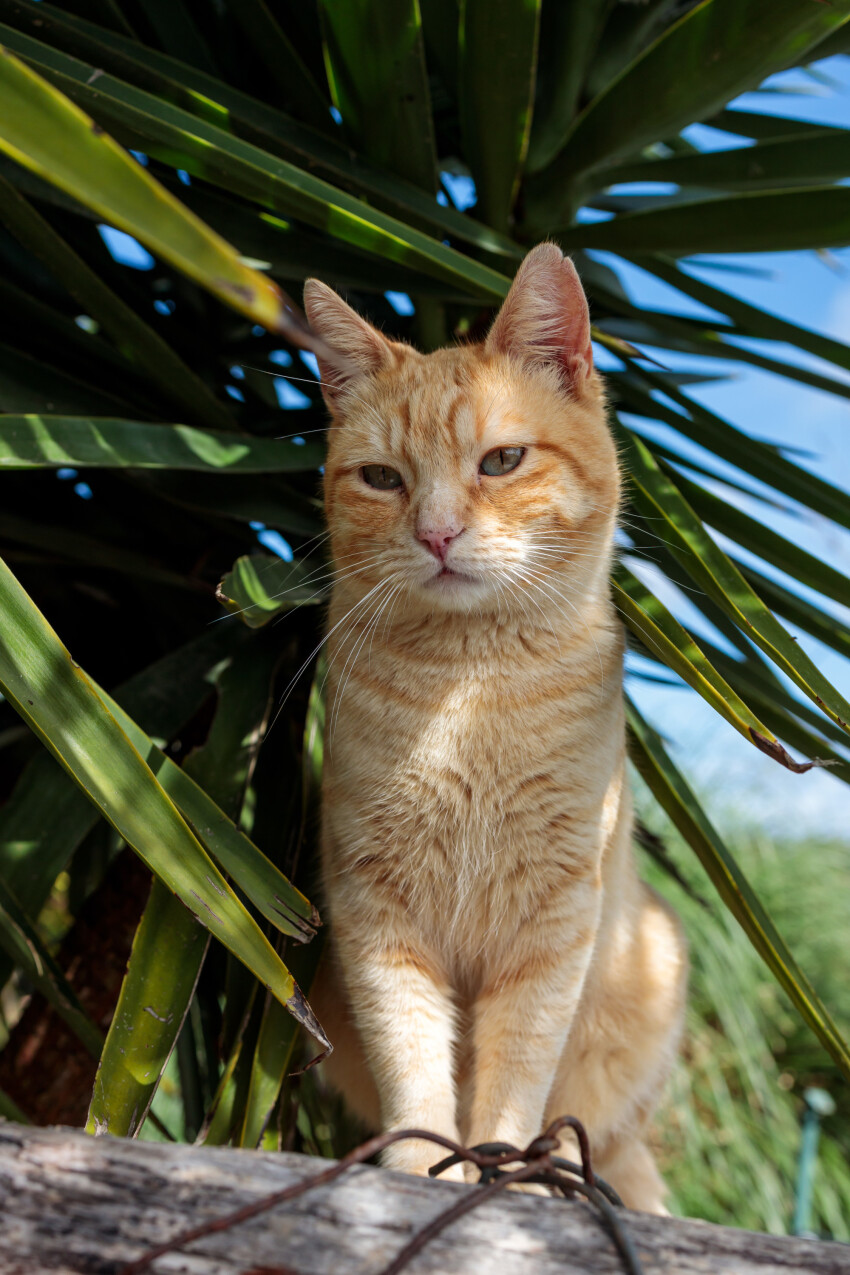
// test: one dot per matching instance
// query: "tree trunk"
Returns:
(44, 1068)
(71, 1203)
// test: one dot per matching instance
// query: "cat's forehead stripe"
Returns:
(424, 415)
(447, 417)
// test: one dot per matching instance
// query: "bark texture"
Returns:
(44, 1068)
(70, 1203)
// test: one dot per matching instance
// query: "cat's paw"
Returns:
(454, 1174)
(532, 1188)
(472, 1175)
(417, 1158)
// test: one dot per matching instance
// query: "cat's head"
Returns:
(480, 476)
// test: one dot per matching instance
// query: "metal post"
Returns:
(818, 1103)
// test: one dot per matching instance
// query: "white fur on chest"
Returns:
(458, 800)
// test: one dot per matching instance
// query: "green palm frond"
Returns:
(271, 142)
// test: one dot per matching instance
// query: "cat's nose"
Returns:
(438, 539)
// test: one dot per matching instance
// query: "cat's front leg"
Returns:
(522, 1020)
(405, 1013)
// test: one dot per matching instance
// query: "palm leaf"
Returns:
(165, 962)
(152, 356)
(735, 447)
(495, 113)
(56, 698)
(375, 60)
(274, 48)
(764, 541)
(814, 620)
(568, 38)
(756, 221)
(259, 587)
(268, 889)
(170, 945)
(273, 1053)
(58, 141)
(810, 159)
(50, 442)
(210, 153)
(662, 635)
(678, 801)
(191, 443)
(749, 320)
(236, 112)
(694, 336)
(766, 127)
(48, 816)
(659, 498)
(715, 51)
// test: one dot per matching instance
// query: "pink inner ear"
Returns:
(544, 319)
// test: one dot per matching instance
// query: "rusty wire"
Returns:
(538, 1165)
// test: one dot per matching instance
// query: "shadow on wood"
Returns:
(73, 1204)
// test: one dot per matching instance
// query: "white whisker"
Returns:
(294, 679)
(351, 660)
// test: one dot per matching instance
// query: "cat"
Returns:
(496, 961)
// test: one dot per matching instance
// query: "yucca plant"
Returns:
(165, 168)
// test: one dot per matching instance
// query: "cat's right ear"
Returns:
(362, 349)
(544, 319)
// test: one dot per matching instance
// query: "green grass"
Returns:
(729, 1132)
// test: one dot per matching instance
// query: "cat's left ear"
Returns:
(362, 349)
(544, 319)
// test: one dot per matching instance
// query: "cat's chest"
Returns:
(447, 740)
(455, 761)
(460, 796)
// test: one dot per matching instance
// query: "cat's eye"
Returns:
(382, 477)
(501, 460)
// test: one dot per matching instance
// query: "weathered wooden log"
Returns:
(70, 1203)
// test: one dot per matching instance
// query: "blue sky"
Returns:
(813, 290)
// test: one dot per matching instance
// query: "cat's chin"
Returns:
(454, 590)
(448, 578)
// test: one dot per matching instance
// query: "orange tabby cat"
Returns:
(496, 961)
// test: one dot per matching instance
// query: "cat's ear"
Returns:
(544, 318)
(362, 349)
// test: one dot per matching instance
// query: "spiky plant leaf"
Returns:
(173, 402)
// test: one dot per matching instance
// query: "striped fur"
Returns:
(495, 959)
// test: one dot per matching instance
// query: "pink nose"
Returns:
(438, 540)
